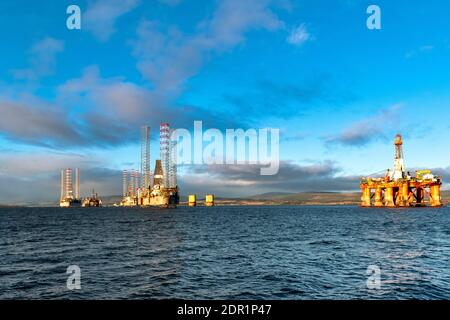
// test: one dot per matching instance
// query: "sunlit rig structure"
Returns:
(93, 201)
(160, 189)
(69, 198)
(399, 189)
(209, 200)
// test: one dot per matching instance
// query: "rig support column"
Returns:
(192, 200)
(378, 197)
(435, 195)
(365, 197)
(389, 197)
(404, 195)
(419, 197)
(209, 201)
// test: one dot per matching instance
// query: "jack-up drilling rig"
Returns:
(68, 197)
(398, 188)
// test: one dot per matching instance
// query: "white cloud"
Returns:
(42, 59)
(101, 16)
(364, 131)
(167, 57)
(27, 178)
(33, 121)
(299, 36)
(423, 49)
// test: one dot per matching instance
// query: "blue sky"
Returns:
(338, 91)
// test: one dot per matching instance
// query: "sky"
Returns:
(337, 91)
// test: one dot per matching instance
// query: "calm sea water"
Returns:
(225, 253)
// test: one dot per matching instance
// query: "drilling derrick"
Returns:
(398, 188)
(399, 165)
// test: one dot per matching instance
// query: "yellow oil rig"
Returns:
(399, 189)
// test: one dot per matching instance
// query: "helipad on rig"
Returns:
(399, 189)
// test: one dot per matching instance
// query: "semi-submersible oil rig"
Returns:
(399, 189)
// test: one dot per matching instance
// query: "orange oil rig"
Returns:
(399, 189)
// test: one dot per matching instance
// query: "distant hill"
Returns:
(319, 198)
(310, 198)
(110, 200)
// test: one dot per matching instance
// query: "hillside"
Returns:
(316, 198)
(309, 198)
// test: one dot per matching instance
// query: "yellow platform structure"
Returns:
(192, 200)
(209, 200)
(398, 188)
(407, 193)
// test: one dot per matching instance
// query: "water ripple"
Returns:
(225, 253)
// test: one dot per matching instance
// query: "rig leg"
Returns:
(435, 195)
(192, 200)
(365, 197)
(420, 194)
(404, 195)
(389, 197)
(378, 197)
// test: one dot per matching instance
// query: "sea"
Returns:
(225, 252)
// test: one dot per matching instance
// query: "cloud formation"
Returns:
(299, 35)
(285, 100)
(92, 111)
(365, 131)
(101, 16)
(109, 111)
(42, 59)
(38, 123)
(22, 181)
(245, 180)
(167, 57)
(420, 50)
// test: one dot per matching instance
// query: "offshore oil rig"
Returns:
(159, 189)
(93, 201)
(69, 198)
(399, 189)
